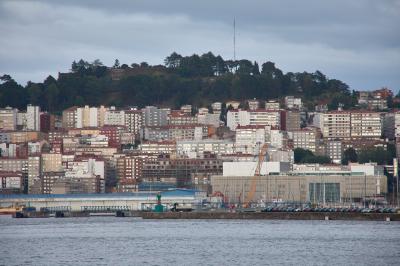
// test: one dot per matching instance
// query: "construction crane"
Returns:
(257, 174)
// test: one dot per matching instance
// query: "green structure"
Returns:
(159, 207)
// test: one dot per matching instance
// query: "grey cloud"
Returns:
(356, 41)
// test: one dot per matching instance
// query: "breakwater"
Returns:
(274, 216)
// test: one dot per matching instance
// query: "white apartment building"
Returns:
(87, 168)
(352, 124)
(166, 146)
(208, 119)
(90, 116)
(272, 105)
(397, 124)
(249, 139)
(33, 118)
(278, 138)
(187, 109)
(366, 124)
(292, 102)
(280, 155)
(254, 104)
(257, 117)
(216, 107)
(114, 117)
(195, 148)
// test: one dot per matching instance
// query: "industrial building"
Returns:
(317, 185)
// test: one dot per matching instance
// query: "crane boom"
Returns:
(257, 174)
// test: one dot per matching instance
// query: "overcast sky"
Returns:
(356, 41)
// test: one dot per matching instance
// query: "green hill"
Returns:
(197, 80)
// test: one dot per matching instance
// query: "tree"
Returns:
(376, 154)
(306, 156)
(300, 154)
(349, 155)
(173, 61)
(256, 69)
(116, 63)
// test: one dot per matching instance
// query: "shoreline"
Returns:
(273, 216)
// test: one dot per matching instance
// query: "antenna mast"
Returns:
(234, 39)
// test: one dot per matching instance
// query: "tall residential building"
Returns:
(133, 120)
(69, 117)
(34, 170)
(334, 150)
(306, 138)
(389, 125)
(397, 124)
(154, 116)
(352, 124)
(8, 118)
(291, 120)
(366, 124)
(33, 118)
(336, 124)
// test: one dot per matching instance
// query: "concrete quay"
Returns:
(273, 216)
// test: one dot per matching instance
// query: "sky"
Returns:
(355, 41)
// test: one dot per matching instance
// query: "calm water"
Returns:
(132, 241)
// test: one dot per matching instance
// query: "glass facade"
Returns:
(324, 192)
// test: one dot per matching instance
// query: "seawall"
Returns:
(273, 216)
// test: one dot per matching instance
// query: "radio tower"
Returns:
(234, 39)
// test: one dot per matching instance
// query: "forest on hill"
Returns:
(196, 79)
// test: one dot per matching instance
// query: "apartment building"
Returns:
(306, 138)
(51, 162)
(33, 118)
(165, 146)
(249, 139)
(114, 117)
(352, 124)
(336, 125)
(272, 105)
(34, 172)
(366, 124)
(69, 117)
(8, 118)
(134, 121)
(292, 102)
(197, 148)
(254, 104)
(259, 117)
(187, 109)
(11, 182)
(129, 167)
(177, 117)
(290, 120)
(154, 116)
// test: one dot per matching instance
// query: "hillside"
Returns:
(197, 80)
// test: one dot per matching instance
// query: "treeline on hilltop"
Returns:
(196, 79)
